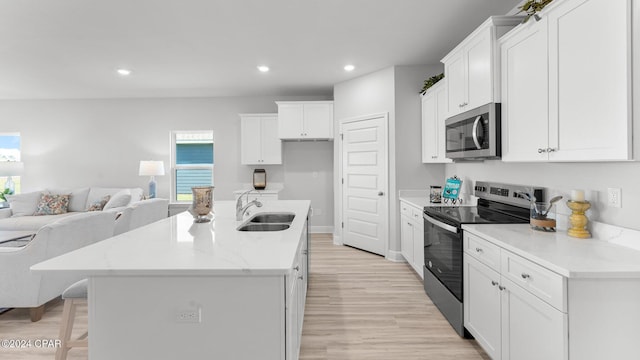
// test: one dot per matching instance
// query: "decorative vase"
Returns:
(202, 205)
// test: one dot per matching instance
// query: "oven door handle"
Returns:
(440, 224)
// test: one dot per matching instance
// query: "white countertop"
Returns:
(177, 246)
(567, 256)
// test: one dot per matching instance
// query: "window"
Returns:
(10, 173)
(192, 162)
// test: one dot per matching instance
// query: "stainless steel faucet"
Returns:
(240, 209)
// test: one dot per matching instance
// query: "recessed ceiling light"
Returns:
(263, 68)
(124, 72)
(349, 67)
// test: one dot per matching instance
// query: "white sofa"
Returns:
(131, 211)
(19, 287)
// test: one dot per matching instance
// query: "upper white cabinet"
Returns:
(305, 120)
(566, 84)
(260, 144)
(472, 69)
(434, 103)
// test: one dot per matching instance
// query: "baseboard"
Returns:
(395, 256)
(321, 229)
(337, 240)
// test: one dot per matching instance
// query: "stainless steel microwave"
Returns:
(474, 134)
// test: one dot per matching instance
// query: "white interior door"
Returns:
(365, 207)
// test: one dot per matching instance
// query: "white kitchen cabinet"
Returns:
(259, 142)
(521, 319)
(296, 296)
(472, 69)
(567, 84)
(433, 126)
(412, 236)
(305, 120)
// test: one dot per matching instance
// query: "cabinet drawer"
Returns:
(541, 282)
(486, 252)
(416, 214)
(405, 209)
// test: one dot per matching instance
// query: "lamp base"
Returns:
(152, 188)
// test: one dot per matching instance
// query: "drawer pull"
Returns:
(297, 268)
(494, 283)
(300, 277)
(479, 250)
(501, 287)
(525, 276)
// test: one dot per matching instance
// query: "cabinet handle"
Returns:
(501, 287)
(301, 277)
(297, 268)
(540, 151)
(409, 224)
(479, 250)
(525, 276)
(494, 283)
(551, 149)
(305, 252)
(434, 156)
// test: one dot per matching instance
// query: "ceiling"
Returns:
(66, 49)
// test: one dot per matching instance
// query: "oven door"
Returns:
(443, 253)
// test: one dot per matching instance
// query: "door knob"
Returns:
(380, 193)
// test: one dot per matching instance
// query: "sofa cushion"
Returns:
(136, 195)
(24, 204)
(77, 200)
(31, 222)
(119, 199)
(52, 204)
(99, 204)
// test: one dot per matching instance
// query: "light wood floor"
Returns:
(359, 306)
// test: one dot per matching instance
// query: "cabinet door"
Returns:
(531, 328)
(271, 143)
(406, 239)
(456, 84)
(418, 245)
(590, 80)
(478, 69)
(525, 94)
(482, 305)
(441, 117)
(290, 121)
(429, 128)
(250, 141)
(292, 339)
(318, 121)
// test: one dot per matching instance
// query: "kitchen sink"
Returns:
(265, 221)
(263, 227)
(283, 218)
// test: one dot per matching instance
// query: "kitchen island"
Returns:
(177, 289)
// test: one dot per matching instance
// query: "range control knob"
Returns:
(430, 264)
(481, 188)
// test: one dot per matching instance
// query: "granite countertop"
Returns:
(558, 252)
(177, 246)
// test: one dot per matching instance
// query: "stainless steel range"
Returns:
(497, 204)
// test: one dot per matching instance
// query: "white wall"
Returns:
(394, 91)
(75, 143)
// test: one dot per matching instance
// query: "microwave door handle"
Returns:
(474, 133)
(440, 224)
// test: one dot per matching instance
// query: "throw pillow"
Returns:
(98, 205)
(23, 204)
(77, 200)
(119, 199)
(53, 204)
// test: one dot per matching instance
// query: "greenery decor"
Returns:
(5, 192)
(531, 7)
(430, 82)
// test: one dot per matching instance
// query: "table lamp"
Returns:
(8, 169)
(151, 168)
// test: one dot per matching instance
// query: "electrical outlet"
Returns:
(614, 197)
(189, 316)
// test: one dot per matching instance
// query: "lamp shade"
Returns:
(151, 168)
(11, 168)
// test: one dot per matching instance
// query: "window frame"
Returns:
(175, 167)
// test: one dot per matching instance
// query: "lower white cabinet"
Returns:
(295, 299)
(412, 236)
(509, 320)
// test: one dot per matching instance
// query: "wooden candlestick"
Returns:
(578, 219)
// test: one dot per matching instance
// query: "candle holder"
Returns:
(202, 204)
(578, 219)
